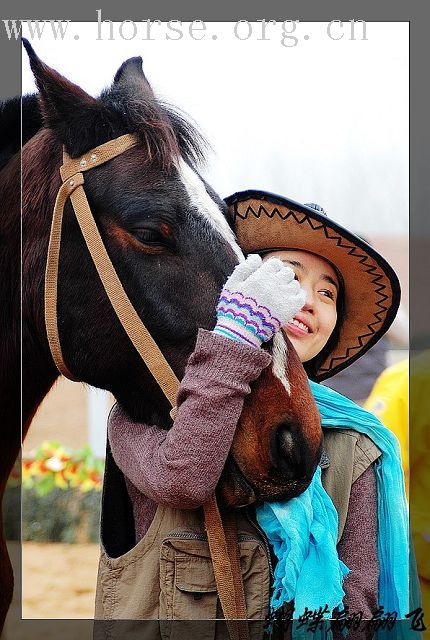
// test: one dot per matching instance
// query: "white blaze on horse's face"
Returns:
(200, 199)
(279, 360)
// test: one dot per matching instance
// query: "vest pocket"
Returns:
(187, 582)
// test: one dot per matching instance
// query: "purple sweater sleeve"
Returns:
(357, 548)
(181, 467)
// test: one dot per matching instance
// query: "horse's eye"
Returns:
(149, 236)
(158, 237)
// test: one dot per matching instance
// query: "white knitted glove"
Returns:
(257, 299)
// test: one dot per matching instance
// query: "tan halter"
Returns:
(72, 174)
(224, 548)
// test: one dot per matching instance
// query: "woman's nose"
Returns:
(309, 302)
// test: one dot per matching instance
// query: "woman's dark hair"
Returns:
(312, 366)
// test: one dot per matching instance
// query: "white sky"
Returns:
(324, 121)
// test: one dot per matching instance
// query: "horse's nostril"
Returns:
(287, 455)
(284, 441)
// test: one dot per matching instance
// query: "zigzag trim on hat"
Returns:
(351, 250)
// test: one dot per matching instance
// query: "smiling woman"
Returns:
(352, 296)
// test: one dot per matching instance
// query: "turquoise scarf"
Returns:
(303, 531)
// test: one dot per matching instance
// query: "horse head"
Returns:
(170, 240)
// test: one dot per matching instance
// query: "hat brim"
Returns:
(264, 221)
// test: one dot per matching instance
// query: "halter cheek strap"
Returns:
(222, 539)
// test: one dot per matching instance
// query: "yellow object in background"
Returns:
(389, 401)
(420, 473)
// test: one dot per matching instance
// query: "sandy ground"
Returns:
(58, 580)
(67, 572)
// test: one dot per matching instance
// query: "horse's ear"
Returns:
(64, 105)
(130, 77)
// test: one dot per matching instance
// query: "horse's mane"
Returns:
(10, 124)
(10, 144)
(163, 129)
(166, 132)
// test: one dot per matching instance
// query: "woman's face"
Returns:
(312, 326)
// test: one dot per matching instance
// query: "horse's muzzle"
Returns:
(293, 467)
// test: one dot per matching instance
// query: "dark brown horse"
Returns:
(168, 236)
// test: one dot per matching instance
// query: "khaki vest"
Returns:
(168, 574)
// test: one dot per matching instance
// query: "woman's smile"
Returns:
(299, 326)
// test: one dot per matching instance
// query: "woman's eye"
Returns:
(327, 293)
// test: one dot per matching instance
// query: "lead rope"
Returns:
(225, 556)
